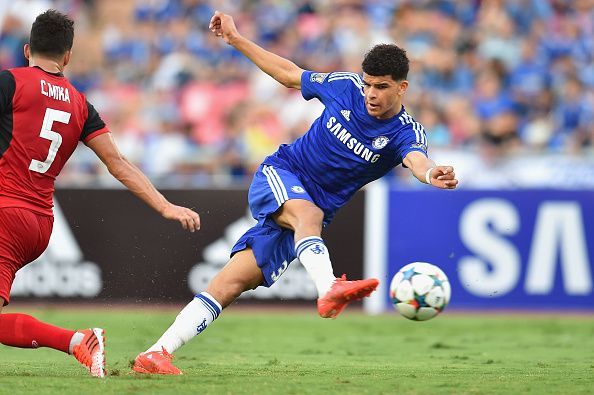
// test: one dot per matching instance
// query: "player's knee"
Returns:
(226, 290)
(310, 217)
(299, 214)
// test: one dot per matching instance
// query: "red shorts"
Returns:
(24, 235)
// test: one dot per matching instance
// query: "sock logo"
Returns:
(35, 344)
(201, 327)
(317, 249)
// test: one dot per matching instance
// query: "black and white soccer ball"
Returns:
(420, 291)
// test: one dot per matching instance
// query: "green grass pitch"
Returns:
(251, 351)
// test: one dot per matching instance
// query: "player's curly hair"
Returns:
(386, 59)
(52, 34)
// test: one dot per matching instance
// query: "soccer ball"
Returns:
(420, 291)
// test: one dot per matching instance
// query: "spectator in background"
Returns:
(529, 78)
(11, 42)
(233, 151)
(573, 117)
(496, 110)
(537, 131)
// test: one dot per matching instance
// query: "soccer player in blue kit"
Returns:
(363, 133)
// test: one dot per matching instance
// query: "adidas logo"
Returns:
(294, 283)
(346, 114)
(61, 270)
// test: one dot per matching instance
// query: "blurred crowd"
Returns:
(500, 78)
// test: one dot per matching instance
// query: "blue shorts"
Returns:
(273, 246)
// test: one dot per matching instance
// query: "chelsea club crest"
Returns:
(380, 142)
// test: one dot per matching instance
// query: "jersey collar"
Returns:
(58, 74)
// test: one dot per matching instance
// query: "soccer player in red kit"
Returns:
(42, 119)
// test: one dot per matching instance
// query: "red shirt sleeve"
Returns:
(94, 125)
(7, 89)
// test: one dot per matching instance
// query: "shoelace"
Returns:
(83, 357)
(166, 354)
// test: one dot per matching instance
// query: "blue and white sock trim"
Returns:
(210, 303)
(307, 242)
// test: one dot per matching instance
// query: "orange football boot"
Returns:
(155, 362)
(342, 293)
(90, 352)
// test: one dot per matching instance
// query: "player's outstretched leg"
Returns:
(191, 321)
(334, 294)
(24, 331)
(240, 274)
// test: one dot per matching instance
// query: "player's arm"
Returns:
(7, 89)
(426, 171)
(279, 68)
(104, 146)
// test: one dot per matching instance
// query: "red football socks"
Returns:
(24, 331)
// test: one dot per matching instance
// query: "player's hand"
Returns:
(189, 219)
(222, 25)
(443, 177)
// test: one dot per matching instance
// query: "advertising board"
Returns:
(521, 249)
(108, 246)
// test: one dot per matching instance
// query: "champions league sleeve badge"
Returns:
(419, 146)
(318, 77)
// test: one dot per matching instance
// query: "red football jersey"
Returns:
(42, 119)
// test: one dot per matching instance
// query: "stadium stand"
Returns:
(505, 87)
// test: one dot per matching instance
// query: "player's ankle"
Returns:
(324, 287)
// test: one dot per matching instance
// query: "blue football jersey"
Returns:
(346, 148)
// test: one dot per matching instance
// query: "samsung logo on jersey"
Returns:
(55, 91)
(351, 142)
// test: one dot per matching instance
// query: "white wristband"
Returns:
(428, 175)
